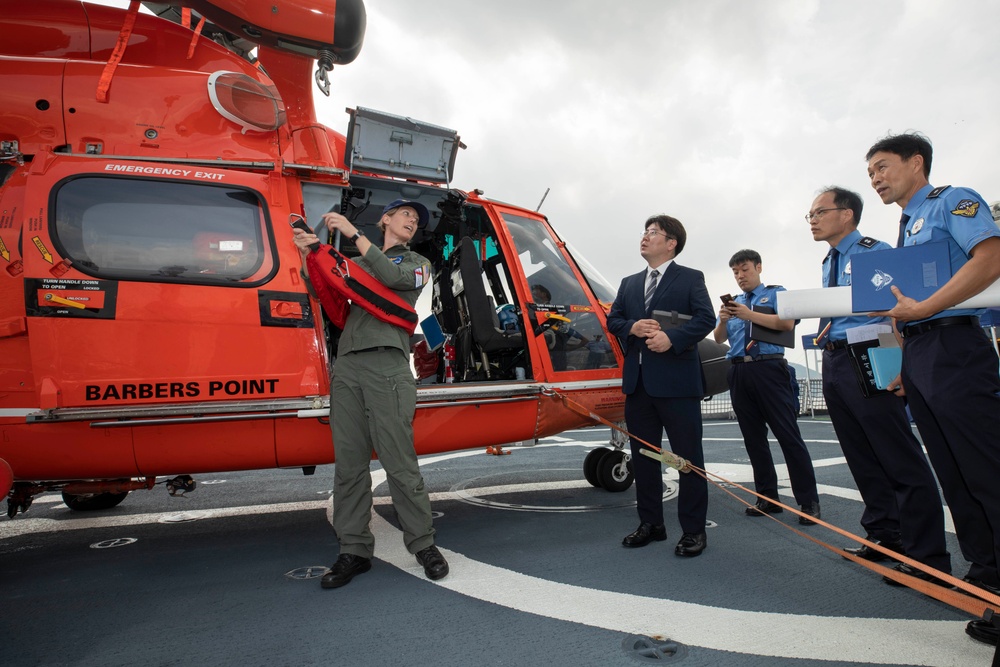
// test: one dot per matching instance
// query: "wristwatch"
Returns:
(354, 239)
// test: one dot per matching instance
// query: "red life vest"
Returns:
(338, 280)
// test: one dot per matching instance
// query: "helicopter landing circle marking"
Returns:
(475, 496)
(878, 640)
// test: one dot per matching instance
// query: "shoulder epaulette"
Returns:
(772, 286)
(936, 192)
(867, 242)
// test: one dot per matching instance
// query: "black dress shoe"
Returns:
(435, 566)
(812, 509)
(866, 552)
(982, 584)
(644, 534)
(346, 568)
(914, 572)
(763, 507)
(691, 545)
(983, 631)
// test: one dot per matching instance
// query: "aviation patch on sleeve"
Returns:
(421, 275)
(967, 208)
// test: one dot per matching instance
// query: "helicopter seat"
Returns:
(496, 348)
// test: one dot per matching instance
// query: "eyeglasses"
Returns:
(654, 232)
(815, 214)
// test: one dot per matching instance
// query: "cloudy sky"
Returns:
(726, 114)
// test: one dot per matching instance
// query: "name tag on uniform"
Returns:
(917, 270)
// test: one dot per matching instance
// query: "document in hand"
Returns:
(917, 270)
(767, 335)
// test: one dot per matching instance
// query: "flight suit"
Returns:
(901, 499)
(950, 373)
(373, 399)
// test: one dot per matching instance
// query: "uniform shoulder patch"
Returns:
(867, 242)
(967, 208)
(936, 192)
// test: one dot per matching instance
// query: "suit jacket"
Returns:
(676, 372)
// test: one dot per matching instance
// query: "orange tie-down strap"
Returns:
(978, 602)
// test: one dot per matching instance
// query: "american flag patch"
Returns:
(421, 275)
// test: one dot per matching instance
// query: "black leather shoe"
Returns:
(866, 552)
(913, 572)
(644, 534)
(691, 545)
(982, 584)
(435, 566)
(346, 568)
(812, 509)
(763, 507)
(983, 631)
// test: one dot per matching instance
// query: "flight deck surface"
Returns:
(228, 575)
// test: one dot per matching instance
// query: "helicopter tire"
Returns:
(91, 502)
(615, 472)
(592, 463)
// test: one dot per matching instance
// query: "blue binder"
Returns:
(917, 270)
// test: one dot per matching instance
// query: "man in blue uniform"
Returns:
(761, 391)
(902, 506)
(950, 371)
(662, 381)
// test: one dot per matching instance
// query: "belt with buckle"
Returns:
(924, 327)
(836, 345)
(763, 357)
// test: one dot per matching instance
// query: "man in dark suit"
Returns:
(662, 380)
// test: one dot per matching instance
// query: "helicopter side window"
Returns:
(576, 344)
(162, 231)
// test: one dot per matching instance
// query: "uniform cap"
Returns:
(422, 214)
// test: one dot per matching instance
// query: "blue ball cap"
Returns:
(422, 215)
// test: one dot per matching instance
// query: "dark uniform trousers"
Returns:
(951, 379)
(761, 393)
(647, 417)
(373, 399)
(895, 481)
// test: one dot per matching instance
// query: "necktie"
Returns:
(902, 230)
(651, 286)
(831, 281)
(750, 347)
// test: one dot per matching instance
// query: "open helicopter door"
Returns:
(381, 143)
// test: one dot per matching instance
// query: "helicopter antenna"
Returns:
(537, 208)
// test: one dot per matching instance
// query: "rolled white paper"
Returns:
(836, 302)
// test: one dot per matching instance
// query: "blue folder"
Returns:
(886, 363)
(917, 270)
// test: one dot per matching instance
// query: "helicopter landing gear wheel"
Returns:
(614, 471)
(592, 463)
(90, 502)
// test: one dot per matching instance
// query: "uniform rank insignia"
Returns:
(967, 208)
(421, 275)
(867, 242)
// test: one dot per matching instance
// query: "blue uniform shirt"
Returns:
(763, 295)
(851, 244)
(958, 216)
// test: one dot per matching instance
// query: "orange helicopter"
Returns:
(153, 320)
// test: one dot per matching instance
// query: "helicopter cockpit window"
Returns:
(139, 229)
(576, 344)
